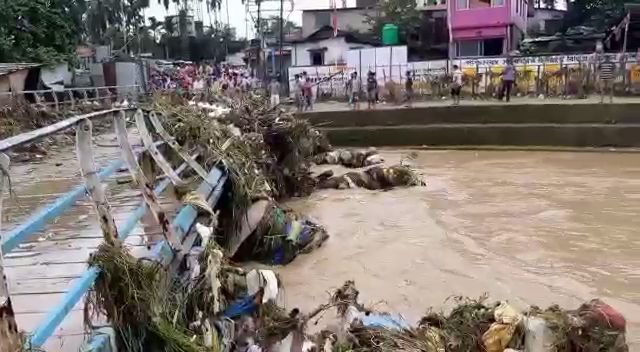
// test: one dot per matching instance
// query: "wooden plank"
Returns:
(34, 287)
(9, 338)
(41, 217)
(92, 182)
(145, 185)
(175, 146)
(34, 135)
(147, 140)
(51, 271)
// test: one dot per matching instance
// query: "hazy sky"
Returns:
(238, 14)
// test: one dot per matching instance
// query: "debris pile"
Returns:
(353, 158)
(219, 307)
(373, 178)
(268, 155)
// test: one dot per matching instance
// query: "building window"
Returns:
(462, 4)
(323, 19)
(492, 47)
(317, 58)
(480, 4)
(486, 47)
(497, 3)
(469, 48)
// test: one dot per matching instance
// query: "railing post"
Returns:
(151, 147)
(85, 96)
(9, 338)
(176, 147)
(55, 99)
(92, 181)
(145, 184)
(72, 99)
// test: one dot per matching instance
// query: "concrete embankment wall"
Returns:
(568, 125)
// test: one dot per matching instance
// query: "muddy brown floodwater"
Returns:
(535, 228)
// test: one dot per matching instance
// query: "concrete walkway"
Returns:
(342, 106)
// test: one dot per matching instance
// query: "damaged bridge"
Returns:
(52, 228)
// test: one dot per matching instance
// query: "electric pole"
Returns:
(280, 56)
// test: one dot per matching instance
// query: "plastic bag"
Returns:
(497, 338)
(506, 314)
(537, 335)
(596, 312)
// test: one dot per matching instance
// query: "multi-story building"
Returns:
(351, 14)
(486, 27)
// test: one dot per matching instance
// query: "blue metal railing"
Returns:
(210, 190)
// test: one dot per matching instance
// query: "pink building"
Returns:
(486, 27)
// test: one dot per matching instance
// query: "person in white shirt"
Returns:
(274, 91)
(456, 84)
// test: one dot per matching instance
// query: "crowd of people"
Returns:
(223, 79)
(371, 90)
(303, 91)
(192, 78)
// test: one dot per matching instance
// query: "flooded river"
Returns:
(535, 228)
(532, 227)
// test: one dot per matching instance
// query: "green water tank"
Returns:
(390, 34)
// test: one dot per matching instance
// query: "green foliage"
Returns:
(598, 14)
(106, 18)
(43, 31)
(402, 13)
(271, 26)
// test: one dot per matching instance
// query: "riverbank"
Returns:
(569, 123)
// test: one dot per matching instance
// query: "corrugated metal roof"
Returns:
(7, 68)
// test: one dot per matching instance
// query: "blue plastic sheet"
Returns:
(243, 306)
(395, 322)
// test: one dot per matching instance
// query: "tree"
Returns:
(599, 14)
(402, 13)
(106, 17)
(271, 26)
(42, 31)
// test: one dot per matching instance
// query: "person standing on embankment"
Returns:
(274, 91)
(372, 90)
(456, 84)
(354, 86)
(508, 80)
(606, 77)
(408, 90)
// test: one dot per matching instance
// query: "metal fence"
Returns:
(70, 97)
(432, 80)
(178, 239)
